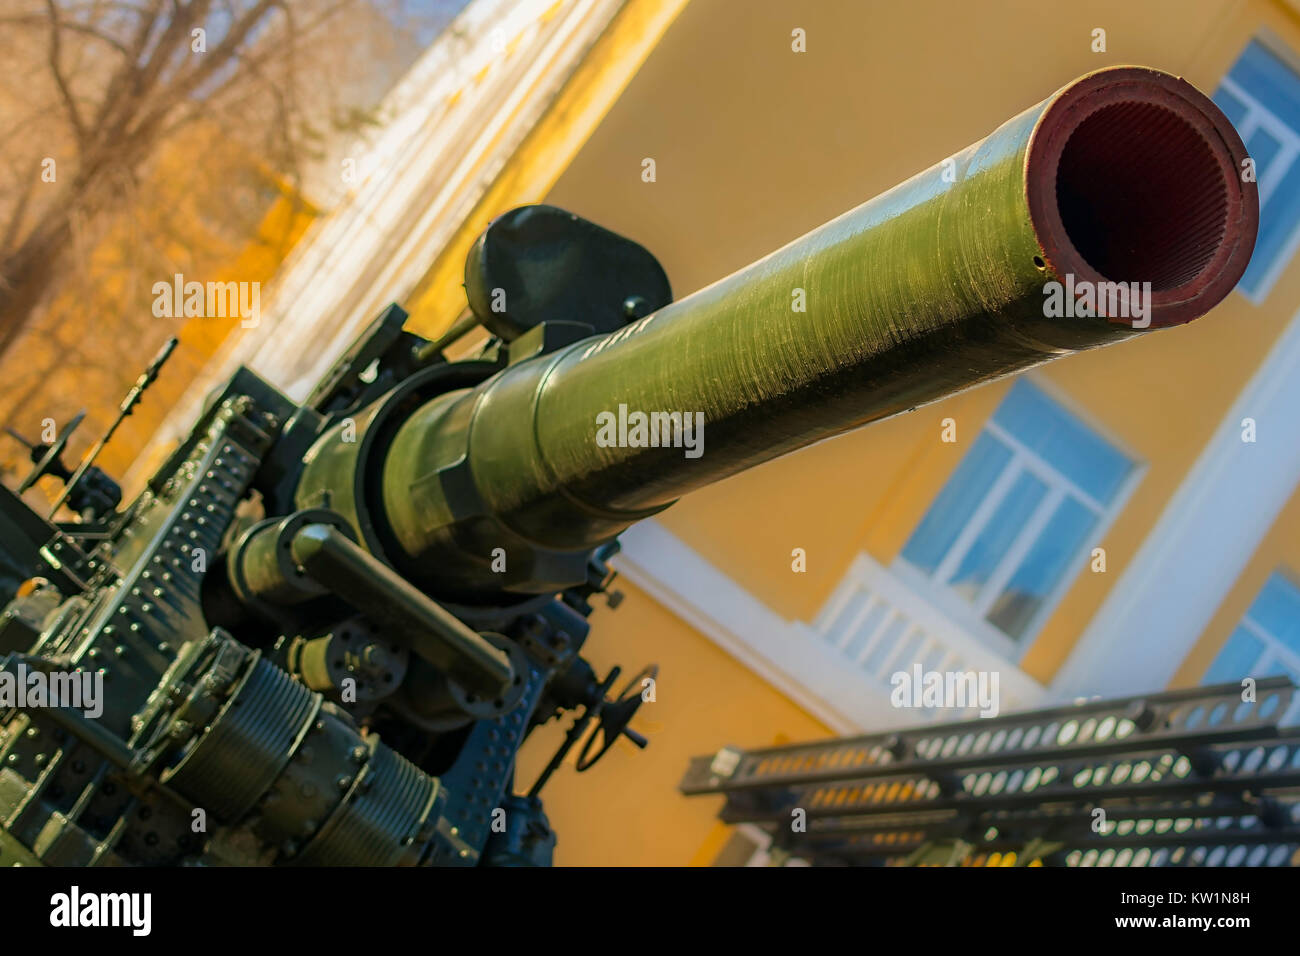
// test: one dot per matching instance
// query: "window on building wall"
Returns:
(1019, 517)
(1267, 641)
(1261, 95)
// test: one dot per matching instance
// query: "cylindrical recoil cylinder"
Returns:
(234, 761)
(279, 758)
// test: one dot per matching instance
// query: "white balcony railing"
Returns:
(880, 626)
(839, 666)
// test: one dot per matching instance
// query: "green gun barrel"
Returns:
(1127, 175)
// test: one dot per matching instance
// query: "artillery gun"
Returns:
(323, 630)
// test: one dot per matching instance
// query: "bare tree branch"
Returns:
(85, 29)
(265, 82)
(20, 209)
(56, 70)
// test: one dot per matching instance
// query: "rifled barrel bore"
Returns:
(1133, 176)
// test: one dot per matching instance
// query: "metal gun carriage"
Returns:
(324, 629)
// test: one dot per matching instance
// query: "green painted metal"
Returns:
(935, 286)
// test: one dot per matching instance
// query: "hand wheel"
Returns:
(613, 718)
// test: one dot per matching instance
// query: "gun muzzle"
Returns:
(1116, 206)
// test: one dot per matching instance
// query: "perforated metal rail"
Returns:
(1199, 776)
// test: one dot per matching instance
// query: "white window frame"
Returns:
(1273, 650)
(1260, 116)
(970, 615)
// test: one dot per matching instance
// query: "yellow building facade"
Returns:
(1120, 521)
